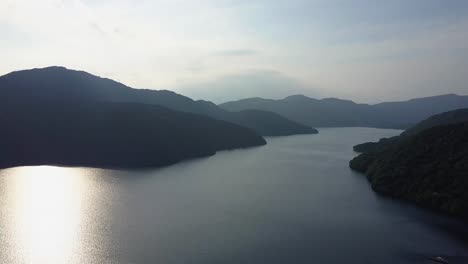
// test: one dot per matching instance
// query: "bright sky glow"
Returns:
(364, 50)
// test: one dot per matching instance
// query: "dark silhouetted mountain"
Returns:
(59, 83)
(427, 164)
(58, 116)
(110, 134)
(332, 112)
(446, 118)
(451, 117)
(268, 123)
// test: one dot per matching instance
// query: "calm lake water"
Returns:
(292, 201)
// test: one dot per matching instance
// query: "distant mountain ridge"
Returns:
(333, 112)
(59, 83)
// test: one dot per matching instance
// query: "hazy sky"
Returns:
(365, 50)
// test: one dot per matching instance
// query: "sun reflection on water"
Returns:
(46, 213)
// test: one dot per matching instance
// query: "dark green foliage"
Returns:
(375, 146)
(429, 167)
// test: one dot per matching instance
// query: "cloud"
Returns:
(360, 49)
(237, 53)
(98, 28)
(260, 83)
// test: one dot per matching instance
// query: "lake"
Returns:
(292, 201)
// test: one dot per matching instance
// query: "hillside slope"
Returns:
(103, 134)
(426, 166)
(59, 83)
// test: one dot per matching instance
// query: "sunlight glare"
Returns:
(47, 214)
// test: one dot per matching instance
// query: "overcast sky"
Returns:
(364, 50)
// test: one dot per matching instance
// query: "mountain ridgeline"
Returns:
(62, 117)
(61, 84)
(426, 164)
(332, 112)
